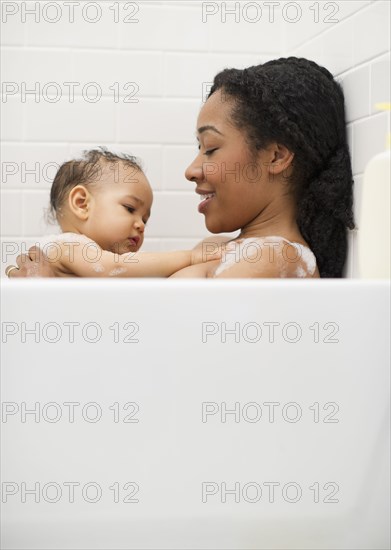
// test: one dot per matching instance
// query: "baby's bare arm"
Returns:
(84, 258)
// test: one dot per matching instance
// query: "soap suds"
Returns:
(308, 258)
(98, 268)
(73, 237)
(300, 272)
(246, 249)
(117, 271)
(51, 240)
(242, 250)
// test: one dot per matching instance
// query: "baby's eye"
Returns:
(129, 208)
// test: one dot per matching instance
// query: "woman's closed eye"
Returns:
(208, 151)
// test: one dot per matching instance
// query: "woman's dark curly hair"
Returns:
(297, 103)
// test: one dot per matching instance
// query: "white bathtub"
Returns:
(152, 424)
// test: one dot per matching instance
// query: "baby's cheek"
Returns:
(140, 243)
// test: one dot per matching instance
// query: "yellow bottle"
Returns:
(374, 224)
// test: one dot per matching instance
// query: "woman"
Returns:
(273, 163)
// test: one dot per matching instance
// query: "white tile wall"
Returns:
(31, 165)
(363, 148)
(359, 104)
(35, 201)
(158, 120)
(66, 121)
(175, 159)
(173, 49)
(380, 81)
(172, 27)
(46, 26)
(11, 213)
(357, 51)
(371, 31)
(338, 47)
(241, 27)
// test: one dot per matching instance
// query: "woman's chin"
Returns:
(214, 226)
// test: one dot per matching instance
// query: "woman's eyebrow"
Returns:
(208, 127)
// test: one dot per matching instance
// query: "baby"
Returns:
(102, 204)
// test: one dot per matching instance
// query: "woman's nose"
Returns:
(194, 171)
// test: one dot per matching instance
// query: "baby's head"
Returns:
(105, 197)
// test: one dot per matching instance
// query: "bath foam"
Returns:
(73, 237)
(236, 250)
(117, 271)
(68, 237)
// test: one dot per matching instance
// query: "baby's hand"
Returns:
(206, 252)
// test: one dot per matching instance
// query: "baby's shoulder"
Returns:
(59, 238)
(66, 244)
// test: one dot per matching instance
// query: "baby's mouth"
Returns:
(133, 241)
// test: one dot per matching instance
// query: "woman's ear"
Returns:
(279, 160)
(79, 202)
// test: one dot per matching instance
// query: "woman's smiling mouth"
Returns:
(205, 198)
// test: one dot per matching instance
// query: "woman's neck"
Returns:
(279, 220)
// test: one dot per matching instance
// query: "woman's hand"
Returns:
(33, 264)
(206, 251)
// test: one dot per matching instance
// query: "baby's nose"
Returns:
(140, 225)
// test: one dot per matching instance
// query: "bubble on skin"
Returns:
(73, 237)
(308, 258)
(234, 252)
(32, 270)
(305, 255)
(300, 272)
(47, 240)
(98, 268)
(117, 271)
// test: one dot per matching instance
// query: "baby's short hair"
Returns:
(83, 171)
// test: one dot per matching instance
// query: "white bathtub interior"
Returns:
(195, 350)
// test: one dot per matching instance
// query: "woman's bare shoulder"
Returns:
(267, 257)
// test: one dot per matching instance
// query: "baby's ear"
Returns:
(79, 201)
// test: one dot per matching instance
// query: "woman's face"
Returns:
(233, 184)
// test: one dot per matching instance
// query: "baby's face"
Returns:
(119, 209)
